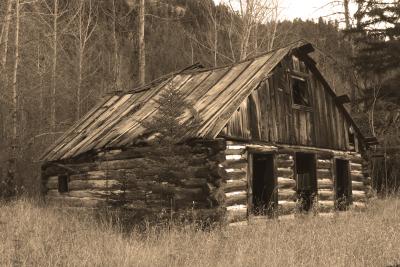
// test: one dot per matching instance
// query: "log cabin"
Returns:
(273, 140)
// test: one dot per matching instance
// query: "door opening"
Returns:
(343, 184)
(264, 183)
(306, 179)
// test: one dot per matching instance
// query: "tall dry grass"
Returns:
(42, 236)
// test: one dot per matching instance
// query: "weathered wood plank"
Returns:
(287, 194)
(324, 164)
(52, 182)
(286, 182)
(357, 185)
(356, 166)
(285, 163)
(236, 198)
(359, 205)
(235, 185)
(358, 195)
(286, 207)
(94, 184)
(357, 176)
(323, 173)
(236, 174)
(324, 184)
(326, 194)
(235, 164)
(236, 213)
(326, 205)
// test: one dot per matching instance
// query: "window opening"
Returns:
(264, 193)
(300, 92)
(306, 180)
(351, 137)
(63, 183)
(343, 184)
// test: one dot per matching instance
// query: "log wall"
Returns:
(129, 179)
(215, 183)
(238, 191)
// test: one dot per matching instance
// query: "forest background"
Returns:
(59, 57)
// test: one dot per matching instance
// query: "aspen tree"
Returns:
(4, 34)
(142, 55)
(54, 70)
(86, 27)
(14, 143)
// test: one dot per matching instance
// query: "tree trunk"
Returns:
(14, 143)
(80, 62)
(4, 34)
(142, 56)
(215, 42)
(78, 90)
(346, 14)
(117, 81)
(41, 93)
(54, 72)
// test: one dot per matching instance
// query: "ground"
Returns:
(34, 235)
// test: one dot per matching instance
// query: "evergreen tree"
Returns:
(378, 36)
(168, 122)
(170, 129)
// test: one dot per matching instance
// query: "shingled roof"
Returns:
(215, 94)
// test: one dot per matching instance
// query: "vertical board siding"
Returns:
(268, 115)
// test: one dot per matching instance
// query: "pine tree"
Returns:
(168, 123)
(170, 130)
(377, 36)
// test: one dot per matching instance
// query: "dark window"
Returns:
(300, 92)
(264, 193)
(306, 180)
(343, 184)
(63, 183)
(351, 137)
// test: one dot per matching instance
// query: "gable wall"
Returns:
(268, 114)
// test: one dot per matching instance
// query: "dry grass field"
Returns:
(42, 236)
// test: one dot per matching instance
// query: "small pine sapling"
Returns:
(175, 118)
(169, 122)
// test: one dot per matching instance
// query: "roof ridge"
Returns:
(194, 67)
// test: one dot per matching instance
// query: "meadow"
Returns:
(35, 235)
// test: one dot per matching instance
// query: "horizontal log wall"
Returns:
(131, 179)
(361, 182)
(236, 182)
(287, 195)
(238, 194)
(325, 182)
(215, 181)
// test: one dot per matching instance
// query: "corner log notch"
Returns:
(129, 179)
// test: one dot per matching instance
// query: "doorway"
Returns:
(263, 184)
(343, 184)
(306, 180)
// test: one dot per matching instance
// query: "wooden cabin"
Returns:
(274, 140)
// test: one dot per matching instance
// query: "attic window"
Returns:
(351, 137)
(300, 91)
